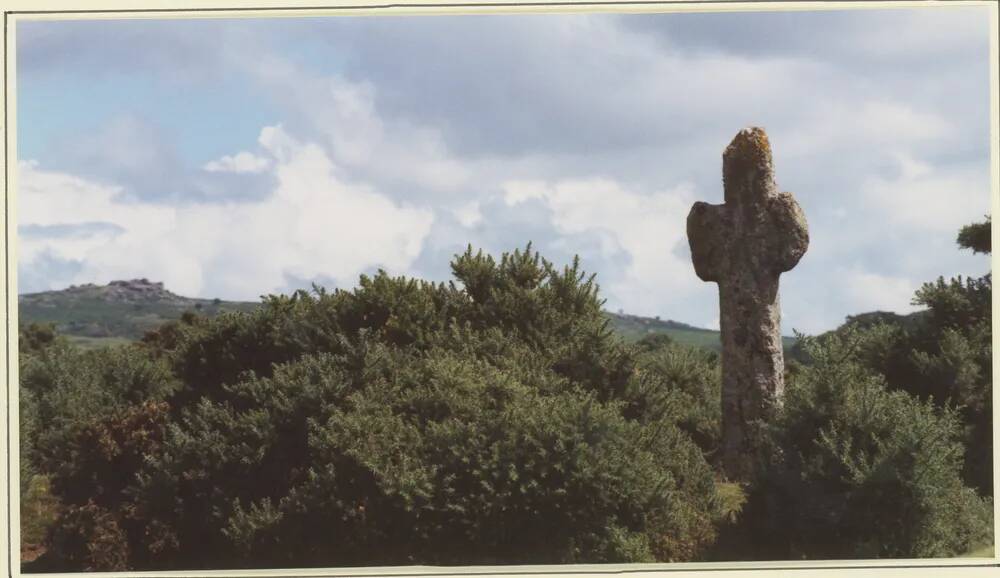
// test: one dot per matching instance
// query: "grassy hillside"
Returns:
(94, 315)
(633, 328)
(122, 311)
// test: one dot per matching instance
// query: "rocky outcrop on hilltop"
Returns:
(131, 292)
(126, 291)
(138, 290)
(122, 309)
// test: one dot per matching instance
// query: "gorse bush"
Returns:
(494, 419)
(682, 384)
(445, 459)
(67, 390)
(859, 471)
(944, 353)
(87, 430)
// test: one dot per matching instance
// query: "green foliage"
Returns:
(91, 316)
(945, 353)
(956, 351)
(71, 401)
(857, 470)
(977, 237)
(496, 418)
(66, 388)
(102, 522)
(957, 303)
(556, 312)
(34, 338)
(681, 384)
(439, 458)
(634, 328)
(37, 504)
(94, 314)
(39, 509)
(653, 342)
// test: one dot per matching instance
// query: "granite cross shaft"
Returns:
(744, 245)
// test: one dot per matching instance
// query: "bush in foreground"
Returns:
(489, 420)
(494, 419)
(859, 471)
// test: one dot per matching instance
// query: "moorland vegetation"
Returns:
(497, 419)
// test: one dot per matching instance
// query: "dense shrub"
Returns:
(942, 353)
(86, 425)
(859, 471)
(36, 337)
(89, 538)
(977, 236)
(945, 353)
(68, 389)
(497, 419)
(38, 506)
(683, 384)
(494, 419)
(434, 458)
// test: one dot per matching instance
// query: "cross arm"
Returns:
(707, 231)
(790, 232)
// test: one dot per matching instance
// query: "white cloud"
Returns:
(643, 230)
(242, 162)
(517, 192)
(871, 291)
(530, 107)
(928, 197)
(353, 126)
(357, 137)
(313, 225)
(469, 215)
(847, 127)
(920, 33)
(49, 198)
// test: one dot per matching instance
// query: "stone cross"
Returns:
(744, 245)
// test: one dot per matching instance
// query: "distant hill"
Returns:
(117, 312)
(121, 311)
(634, 328)
(910, 321)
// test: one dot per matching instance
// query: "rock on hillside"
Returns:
(123, 309)
(131, 291)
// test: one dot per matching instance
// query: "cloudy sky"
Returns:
(239, 157)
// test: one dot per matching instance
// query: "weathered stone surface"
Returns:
(744, 245)
(131, 291)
